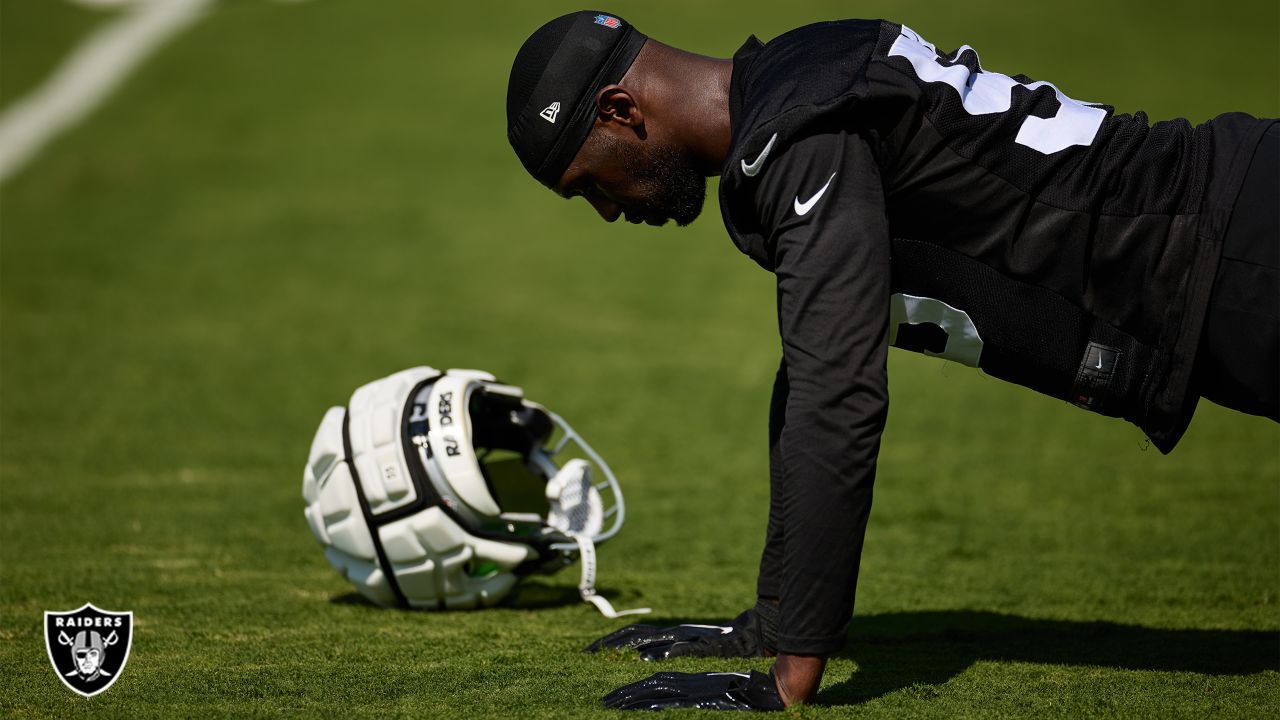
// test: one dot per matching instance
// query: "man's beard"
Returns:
(670, 185)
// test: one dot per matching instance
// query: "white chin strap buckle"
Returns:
(587, 587)
(577, 510)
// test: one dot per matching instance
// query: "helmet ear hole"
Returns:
(503, 422)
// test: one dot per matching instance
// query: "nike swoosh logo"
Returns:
(803, 208)
(754, 168)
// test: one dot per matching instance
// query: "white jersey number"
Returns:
(983, 93)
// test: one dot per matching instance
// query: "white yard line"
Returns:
(88, 76)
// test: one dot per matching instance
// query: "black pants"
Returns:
(1238, 363)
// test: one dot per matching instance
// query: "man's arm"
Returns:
(769, 580)
(824, 201)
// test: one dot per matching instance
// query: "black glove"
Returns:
(708, 691)
(750, 634)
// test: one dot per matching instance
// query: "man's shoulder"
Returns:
(837, 33)
(811, 66)
(823, 50)
(783, 91)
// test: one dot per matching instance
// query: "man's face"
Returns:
(644, 182)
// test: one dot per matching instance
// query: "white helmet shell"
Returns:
(439, 490)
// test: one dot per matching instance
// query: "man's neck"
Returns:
(693, 94)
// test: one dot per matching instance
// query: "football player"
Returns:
(908, 196)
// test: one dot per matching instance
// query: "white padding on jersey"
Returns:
(964, 345)
(376, 449)
(1074, 124)
(450, 439)
(985, 92)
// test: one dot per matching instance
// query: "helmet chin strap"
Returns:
(576, 512)
(587, 586)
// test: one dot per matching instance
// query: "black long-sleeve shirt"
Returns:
(831, 396)
(908, 197)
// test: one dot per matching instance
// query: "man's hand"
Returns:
(745, 636)
(708, 691)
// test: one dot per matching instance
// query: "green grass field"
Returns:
(292, 199)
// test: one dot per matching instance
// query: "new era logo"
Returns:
(551, 112)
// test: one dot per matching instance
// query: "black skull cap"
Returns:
(554, 79)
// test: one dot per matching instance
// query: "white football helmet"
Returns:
(440, 490)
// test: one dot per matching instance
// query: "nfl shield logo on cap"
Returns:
(608, 21)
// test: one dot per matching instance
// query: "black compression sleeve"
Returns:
(823, 201)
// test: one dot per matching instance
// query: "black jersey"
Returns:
(909, 197)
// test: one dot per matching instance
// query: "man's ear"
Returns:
(615, 105)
